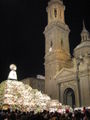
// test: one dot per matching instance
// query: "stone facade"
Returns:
(57, 53)
(66, 79)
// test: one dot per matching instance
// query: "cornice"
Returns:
(56, 24)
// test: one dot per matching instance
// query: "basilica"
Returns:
(66, 79)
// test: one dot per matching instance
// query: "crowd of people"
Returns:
(45, 115)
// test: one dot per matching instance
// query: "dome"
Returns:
(84, 47)
(83, 44)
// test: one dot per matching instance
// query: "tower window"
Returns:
(61, 42)
(55, 12)
(51, 44)
(83, 38)
(50, 49)
(60, 13)
(50, 14)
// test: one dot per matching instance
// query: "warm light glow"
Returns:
(23, 97)
(12, 75)
(13, 67)
(50, 49)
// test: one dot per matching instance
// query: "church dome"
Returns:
(83, 44)
(84, 47)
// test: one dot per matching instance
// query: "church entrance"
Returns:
(69, 97)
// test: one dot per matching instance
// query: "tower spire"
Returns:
(84, 28)
(57, 0)
(83, 24)
(84, 33)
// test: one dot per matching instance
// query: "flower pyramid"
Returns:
(16, 93)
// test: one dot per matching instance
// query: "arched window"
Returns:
(60, 13)
(55, 12)
(51, 44)
(50, 14)
(61, 42)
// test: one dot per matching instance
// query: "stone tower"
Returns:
(57, 53)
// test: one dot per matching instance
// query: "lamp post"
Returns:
(78, 81)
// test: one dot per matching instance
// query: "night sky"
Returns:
(22, 42)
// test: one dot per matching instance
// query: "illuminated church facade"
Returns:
(66, 79)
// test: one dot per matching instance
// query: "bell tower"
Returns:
(55, 11)
(57, 53)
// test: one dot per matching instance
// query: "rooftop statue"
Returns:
(12, 74)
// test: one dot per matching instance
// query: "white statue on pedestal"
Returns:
(12, 74)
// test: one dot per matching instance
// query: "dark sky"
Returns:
(22, 23)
